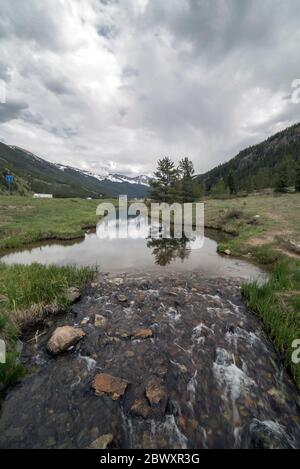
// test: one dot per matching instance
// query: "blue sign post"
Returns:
(10, 180)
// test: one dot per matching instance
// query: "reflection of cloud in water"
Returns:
(137, 252)
(132, 228)
(139, 228)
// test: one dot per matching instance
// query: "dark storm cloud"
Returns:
(108, 31)
(11, 110)
(32, 20)
(57, 87)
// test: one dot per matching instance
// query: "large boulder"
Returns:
(63, 338)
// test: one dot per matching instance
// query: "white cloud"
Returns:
(108, 84)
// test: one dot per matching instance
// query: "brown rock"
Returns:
(143, 334)
(141, 408)
(63, 338)
(129, 354)
(100, 321)
(155, 392)
(102, 442)
(187, 425)
(107, 384)
(73, 295)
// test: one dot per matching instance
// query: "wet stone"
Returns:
(117, 281)
(156, 392)
(143, 334)
(73, 295)
(141, 408)
(102, 442)
(63, 338)
(100, 321)
(105, 384)
(122, 298)
(85, 321)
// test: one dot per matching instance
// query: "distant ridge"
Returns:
(34, 174)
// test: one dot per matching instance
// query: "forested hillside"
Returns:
(34, 174)
(272, 163)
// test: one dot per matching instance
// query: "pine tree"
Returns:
(219, 188)
(232, 183)
(189, 187)
(283, 178)
(165, 186)
(297, 179)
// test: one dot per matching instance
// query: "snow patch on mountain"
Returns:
(142, 180)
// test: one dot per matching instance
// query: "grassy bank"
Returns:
(267, 231)
(278, 304)
(26, 220)
(260, 223)
(25, 293)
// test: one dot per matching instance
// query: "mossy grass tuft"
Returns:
(25, 291)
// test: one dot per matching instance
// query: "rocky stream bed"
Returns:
(158, 361)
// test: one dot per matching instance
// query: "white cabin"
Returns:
(42, 196)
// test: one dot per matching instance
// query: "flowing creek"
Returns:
(199, 370)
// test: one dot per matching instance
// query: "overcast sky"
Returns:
(108, 84)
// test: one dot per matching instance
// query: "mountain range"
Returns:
(258, 166)
(34, 174)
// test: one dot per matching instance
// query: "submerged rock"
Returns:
(142, 334)
(141, 408)
(107, 384)
(85, 321)
(156, 392)
(63, 338)
(122, 298)
(102, 442)
(100, 321)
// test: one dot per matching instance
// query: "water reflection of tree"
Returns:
(167, 250)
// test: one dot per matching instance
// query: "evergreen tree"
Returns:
(232, 183)
(165, 186)
(190, 190)
(283, 179)
(297, 179)
(219, 188)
